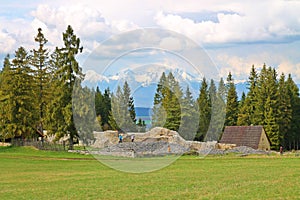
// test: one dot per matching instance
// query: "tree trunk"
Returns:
(71, 142)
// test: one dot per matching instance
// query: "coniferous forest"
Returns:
(36, 88)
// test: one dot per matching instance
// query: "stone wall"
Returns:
(157, 134)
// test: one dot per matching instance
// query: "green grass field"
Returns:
(27, 173)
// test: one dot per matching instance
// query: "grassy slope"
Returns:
(26, 173)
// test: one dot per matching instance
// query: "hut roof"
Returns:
(242, 135)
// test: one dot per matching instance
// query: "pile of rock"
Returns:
(138, 149)
(160, 141)
(243, 150)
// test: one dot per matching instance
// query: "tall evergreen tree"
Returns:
(261, 97)
(189, 115)
(271, 126)
(284, 110)
(204, 111)
(172, 102)
(130, 105)
(159, 112)
(40, 62)
(292, 140)
(67, 72)
(231, 103)
(106, 109)
(83, 116)
(18, 110)
(167, 101)
(122, 110)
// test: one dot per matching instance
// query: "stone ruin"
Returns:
(156, 142)
(159, 142)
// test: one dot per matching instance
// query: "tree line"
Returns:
(37, 94)
(37, 91)
(271, 101)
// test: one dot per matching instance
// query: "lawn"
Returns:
(26, 173)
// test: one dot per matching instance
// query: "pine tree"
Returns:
(271, 110)
(106, 109)
(231, 103)
(122, 110)
(248, 108)
(251, 102)
(244, 115)
(214, 130)
(40, 62)
(218, 111)
(171, 103)
(117, 115)
(83, 116)
(18, 110)
(130, 106)
(159, 113)
(204, 111)
(167, 101)
(293, 138)
(271, 126)
(284, 110)
(190, 119)
(5, 106)
(260, 98)
(67, 72)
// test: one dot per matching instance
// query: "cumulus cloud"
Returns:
(287, 67)
(268, 21)
(229, 23)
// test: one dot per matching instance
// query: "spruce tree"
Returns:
(159, 113)
(83, 116)
(284, 110)
(167, 101)
(122, 110)
(204, 111)
(214, 128)
(293, 138)
(18, 110)
(244, 115)
(106, 109)
(130, 106)
(172, 102)
(67, 71)
(231, 103)
(218, 111)
(40, 63)
(190, 119)
(271, 126)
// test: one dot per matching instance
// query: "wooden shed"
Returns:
(251, 136)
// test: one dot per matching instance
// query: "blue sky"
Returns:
(235, 34)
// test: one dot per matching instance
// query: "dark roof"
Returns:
(242, 135)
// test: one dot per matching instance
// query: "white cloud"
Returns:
(287, 67)
(236, 23)
(244, 23)
(7, 42)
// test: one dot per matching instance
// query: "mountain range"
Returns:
(143, 83)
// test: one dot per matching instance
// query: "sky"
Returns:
(234, 34)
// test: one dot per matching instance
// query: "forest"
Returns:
(37, 89)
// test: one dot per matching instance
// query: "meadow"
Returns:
(27, 173)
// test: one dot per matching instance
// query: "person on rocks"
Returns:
(132, 137)
(120, 138)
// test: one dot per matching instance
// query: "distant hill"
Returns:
(143, 84)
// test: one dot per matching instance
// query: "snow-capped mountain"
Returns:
(143, 82)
